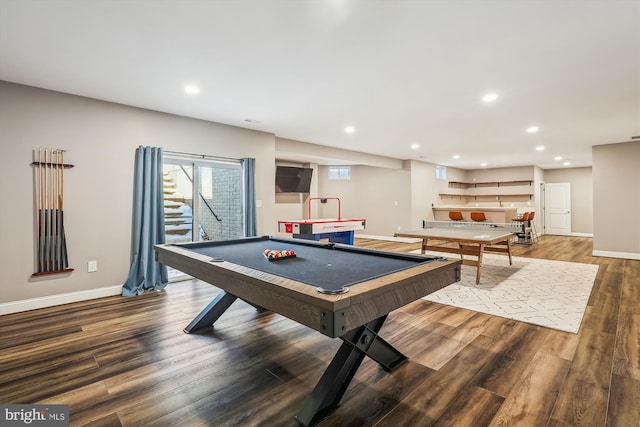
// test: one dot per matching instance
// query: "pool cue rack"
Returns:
(51, 242)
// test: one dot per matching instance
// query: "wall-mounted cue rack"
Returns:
(49, 166)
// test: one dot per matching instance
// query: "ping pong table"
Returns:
(472, 238)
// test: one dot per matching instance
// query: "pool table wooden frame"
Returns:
(355, 317)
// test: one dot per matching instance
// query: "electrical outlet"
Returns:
(92, 266)
(399, 228)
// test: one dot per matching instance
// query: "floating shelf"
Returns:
(476, 196)
(492, 183)
(467, 185)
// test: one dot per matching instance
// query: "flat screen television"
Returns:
(293, 180)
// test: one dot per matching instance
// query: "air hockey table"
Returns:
(336, 230)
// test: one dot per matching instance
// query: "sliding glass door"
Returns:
(202, 200)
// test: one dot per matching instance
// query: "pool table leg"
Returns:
(362, 341)
(207, 317)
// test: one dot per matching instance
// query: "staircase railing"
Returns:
(201, 196)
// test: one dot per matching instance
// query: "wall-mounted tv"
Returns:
(293, 180)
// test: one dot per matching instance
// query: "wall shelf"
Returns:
(462, 185)
(477, 196)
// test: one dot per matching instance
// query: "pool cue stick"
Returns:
(59, 220)
(57, 200)
(49, 213)
(52, 194)
(45, 238)
(54, 202)
(45, 205)
(52, 187)
(40, 215)
(43, 189)
(63, 239)
(50, 210)
(55, 211)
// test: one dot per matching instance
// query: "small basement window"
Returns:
(441, 172)
(339, 172)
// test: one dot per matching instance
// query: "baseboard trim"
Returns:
(53, 300)
(582, 234)
(611, 254)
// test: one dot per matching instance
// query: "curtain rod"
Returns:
(199, 156)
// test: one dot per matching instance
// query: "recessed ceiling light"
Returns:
(557, 158)
(566, 163)
(540, 148)
(483, 164)
(456, 156)
(350, 129)
(192, 89)
(489, 97)
(415, 146)
(533, 129)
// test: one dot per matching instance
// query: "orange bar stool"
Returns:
(531, 228)
(478, 216)
(455, 216)
(523, 218)
(527, 231)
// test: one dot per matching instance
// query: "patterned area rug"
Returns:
(548, 293)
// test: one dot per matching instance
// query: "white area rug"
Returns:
(548, 293)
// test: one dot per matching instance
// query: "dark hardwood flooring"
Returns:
(126, 362)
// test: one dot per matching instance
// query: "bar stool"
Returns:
(524, 220)
(478, 216)
(455, 216)
(533, 234)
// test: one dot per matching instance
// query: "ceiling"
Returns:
(400, 72)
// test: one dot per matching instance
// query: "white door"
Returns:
(557, 208)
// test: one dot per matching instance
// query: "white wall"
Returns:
(100, 139)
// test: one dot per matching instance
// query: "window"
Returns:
(339, 172)
(441, 172)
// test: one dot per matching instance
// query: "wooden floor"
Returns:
(126, 362)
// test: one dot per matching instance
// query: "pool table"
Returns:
(338, 290)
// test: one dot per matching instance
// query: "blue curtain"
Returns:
(249, 213)
(148, 224)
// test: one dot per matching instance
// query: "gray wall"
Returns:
(380, 195)
(100, 139)
(581, 180)
(616, 200)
